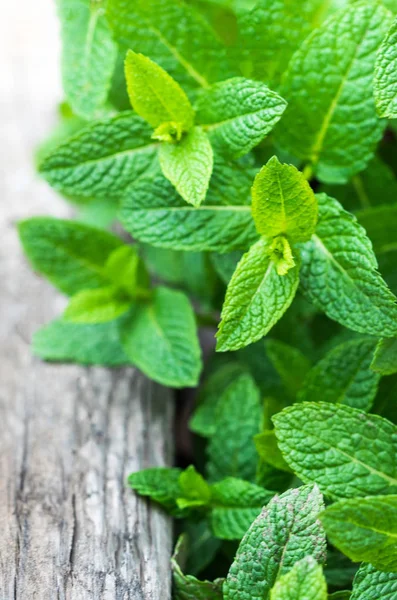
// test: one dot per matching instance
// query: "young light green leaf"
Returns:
(286, 531)
(238, 114)
(290, 363)
(345, 451)
(344, 376)
(385, 83)
(335, 126)
(96, 306)
(188, 587)
(152, 212)
(365, 529)
(305, 581)
(236, 504)
(85, 344)
(126, 270)
(174, 35)
(71, 255)
(203, 421)
(102, 159)
(160, 338)
(156, 96)
(268, 450)
(385, 359)
(256, 298)
(283, 202)
(88, 55)
(339, 274)
(371, 584)
(188, 165)
(231, 449)
(195, 491)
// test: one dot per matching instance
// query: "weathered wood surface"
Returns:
(69, 529)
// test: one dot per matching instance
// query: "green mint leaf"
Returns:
(371, 584)
(335, 126)
(256, 298)
(96, 306)
(305, 581)
(238, 114)
(203, 421)
(342, 595)
(269, 35)
(291, 365)
(203, 545)
(231, 449)
(344, 376)
(365, 529)
(188, 587)
(127, 271)
(345, 451)
(152, 212)
(286, 531)
(268, 450)
(161, 484)
(385, 78)
(156, 96)
(195, 491)
(225, 264)
(339, 274)
(102, 159)
(236, 504)
(160, 338)
(380, 223)
(71, 255)
(385, 359)
(88, 55)
(85, 344)
(174, 35)
(283, 202)
(188, 165)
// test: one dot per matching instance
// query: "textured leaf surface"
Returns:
(385, 359)
(161, 339)
(96, 306)
(239, 113)
(335, 126)
(365, 529)
(345, 451)
(152, 212)
(156, 96)
(305, 581)
(344, 376)
(195, 491)
(256, 298)
(188, 165)
(236, 503)
(231, 450)
(289, 362)
(286, 531)
(283, 202)
(339, 276)
(102, 159)
(86, 344)
(159, 483)
(71, 255)
(172, 34)
(385, 84)
(371, 584)
(269, 35)
(88, 55)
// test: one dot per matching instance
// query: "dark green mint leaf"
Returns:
(371, 584)
(385, 359)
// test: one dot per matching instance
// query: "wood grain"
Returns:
(69, 436)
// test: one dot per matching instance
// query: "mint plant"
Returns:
(232, 167)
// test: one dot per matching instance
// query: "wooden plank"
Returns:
(69, 435)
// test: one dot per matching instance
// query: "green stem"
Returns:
(308, 172)
(360, 191)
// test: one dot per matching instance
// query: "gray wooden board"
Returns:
(69, 436)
